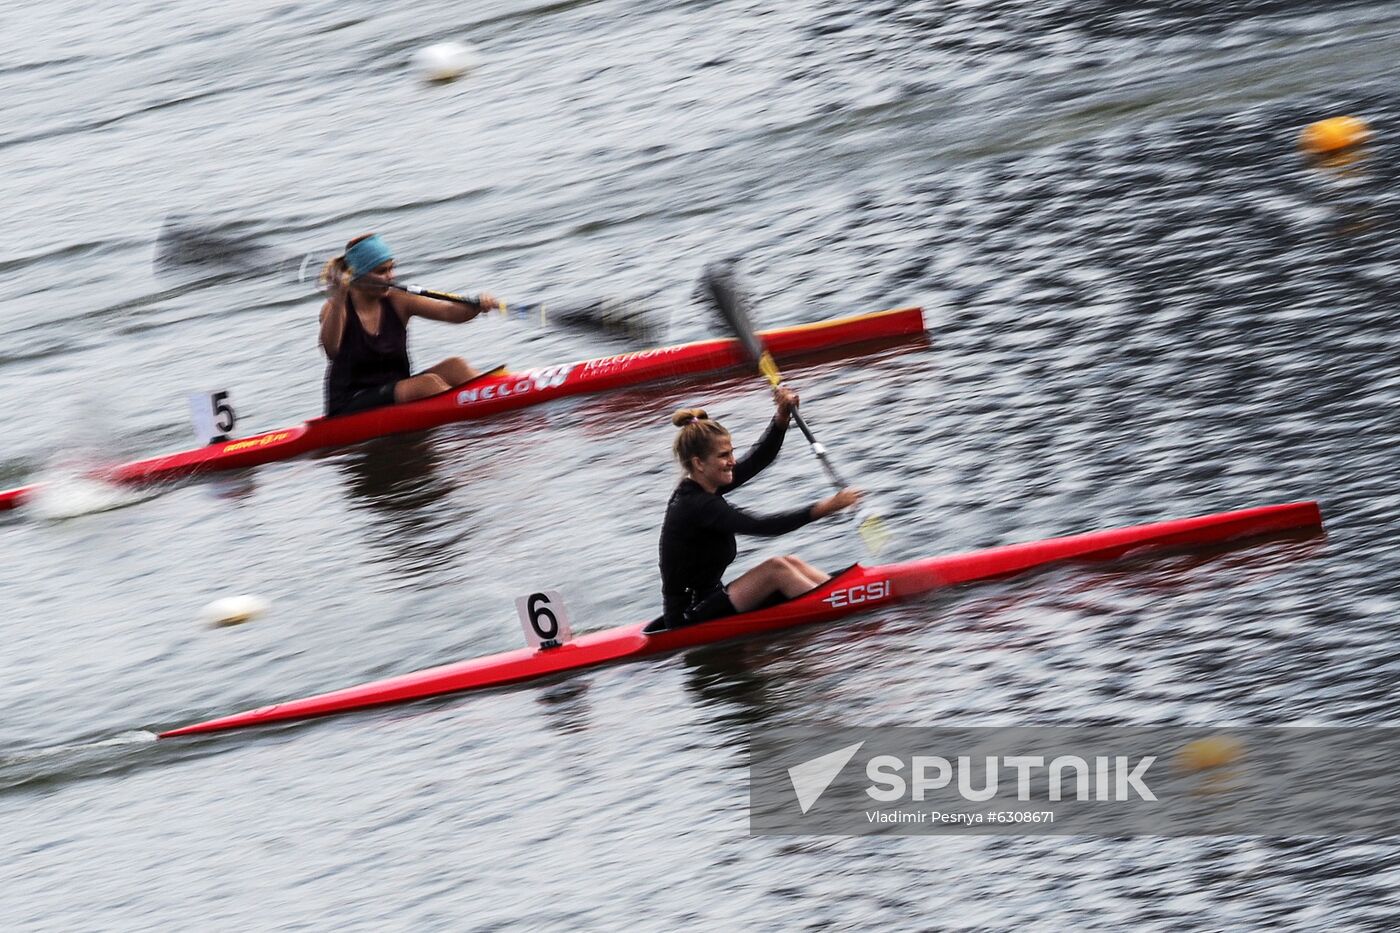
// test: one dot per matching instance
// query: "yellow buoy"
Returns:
(1213, 751)
(1334, 134)
(233, 610)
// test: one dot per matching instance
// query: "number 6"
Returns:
(539, 613)
(544, 619)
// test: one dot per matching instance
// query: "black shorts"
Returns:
(713, 605)
(365, 399)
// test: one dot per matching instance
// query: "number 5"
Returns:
(212, 415)
(224, 418)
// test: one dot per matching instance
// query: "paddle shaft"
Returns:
(431, 293)
(872, 527)
(517, 310)
(729, 301)
(768, 368)
(599, 316)
(820, 451)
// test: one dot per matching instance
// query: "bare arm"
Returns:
(332, 325)
(435, 309)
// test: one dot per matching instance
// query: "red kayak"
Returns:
(856, 589)
(506, 391)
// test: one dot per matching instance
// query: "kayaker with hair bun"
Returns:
(364, 332)
(697, 537)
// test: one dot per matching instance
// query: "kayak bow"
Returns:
(502, 392)
(855, 589)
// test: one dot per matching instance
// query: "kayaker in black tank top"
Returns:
(366, 366)
(697, 536)
(364, 332)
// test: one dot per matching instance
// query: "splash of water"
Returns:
(72, 488)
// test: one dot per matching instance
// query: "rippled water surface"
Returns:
(1142, 302)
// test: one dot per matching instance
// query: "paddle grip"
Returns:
(820, 451)
(769, 368)
(441, 296)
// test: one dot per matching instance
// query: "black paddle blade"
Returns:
(185, 244)
(614, 317)
(719, 287)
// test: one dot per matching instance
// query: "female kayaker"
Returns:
(697, 537)
(365, 336)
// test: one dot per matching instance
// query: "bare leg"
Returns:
(420, 386)
(454, 370)
(451, 372)
(811, 574)
(790, 576)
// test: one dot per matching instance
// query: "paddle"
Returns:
(227, 251)
(612, 317)
(725, 296)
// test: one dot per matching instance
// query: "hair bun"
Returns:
(687, 415)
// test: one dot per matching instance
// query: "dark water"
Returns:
(1143, 304)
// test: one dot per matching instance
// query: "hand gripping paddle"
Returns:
(719, 287)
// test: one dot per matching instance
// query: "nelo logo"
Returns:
(533, 381)
(860, 593)
(498, 390)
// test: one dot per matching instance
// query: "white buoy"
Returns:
(445, 61)
(233, 610)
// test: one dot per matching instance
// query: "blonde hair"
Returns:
(336, 267)
(697, 435)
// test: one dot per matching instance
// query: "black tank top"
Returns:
(364, 360)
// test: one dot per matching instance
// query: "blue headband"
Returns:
(367, 255)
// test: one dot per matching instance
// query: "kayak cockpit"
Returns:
(658, 625)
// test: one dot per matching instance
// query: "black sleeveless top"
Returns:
(364, 360)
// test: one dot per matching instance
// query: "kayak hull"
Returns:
(497, 393)
(854, 590)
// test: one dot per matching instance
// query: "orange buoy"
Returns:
(1213, 751)
(1333, 135)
